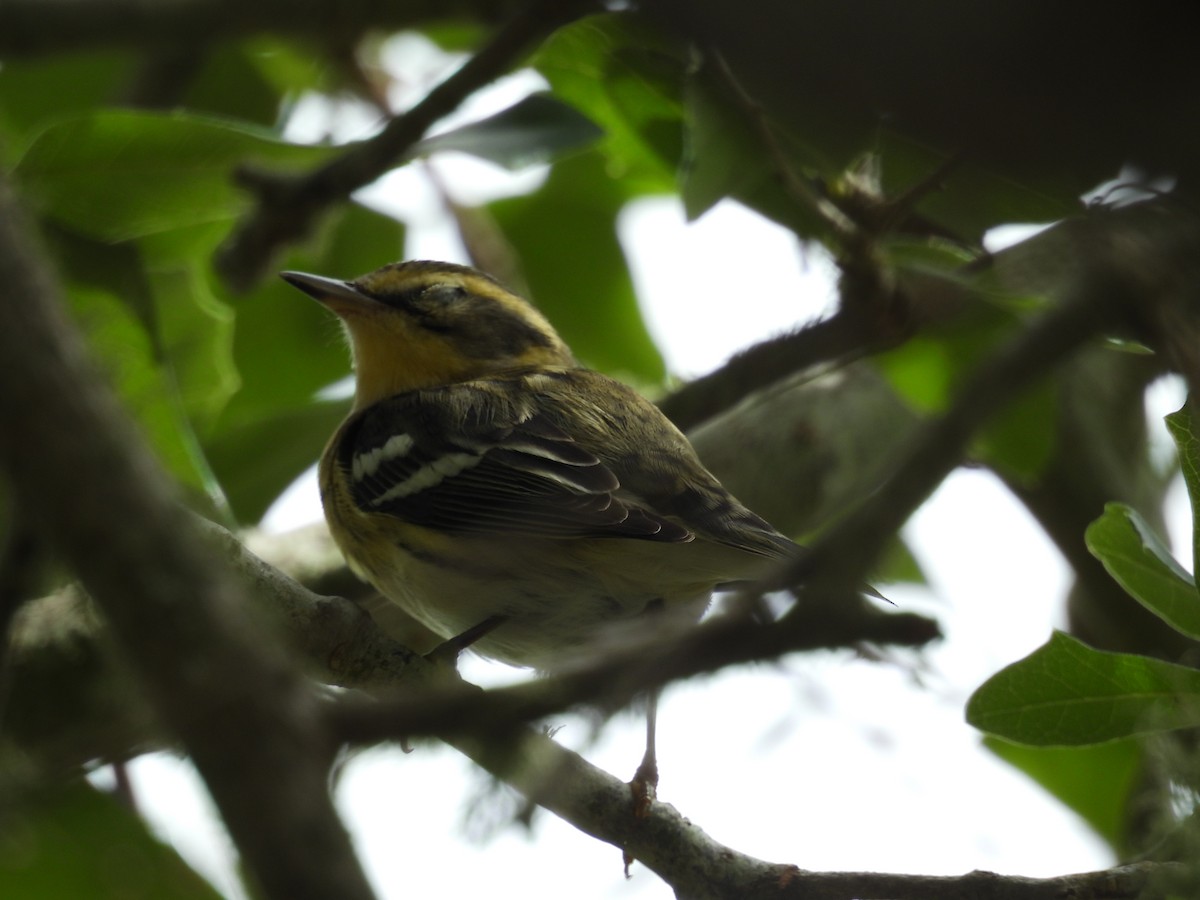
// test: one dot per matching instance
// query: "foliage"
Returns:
(1068, 695)
(234, 391)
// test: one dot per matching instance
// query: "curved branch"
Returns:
(289, 206)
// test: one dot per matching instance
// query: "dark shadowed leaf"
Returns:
(1186, 442)
(565, 236)
(534, 130)
(72, 841)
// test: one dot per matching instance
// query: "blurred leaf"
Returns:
(118, 175)
(147, 341)
(534, 130)
(455, 35)
(35, 92)
(188, 245)
(258, 459)
(930, 257)
(565, 236)
(1067, 693)
(291, 68)
(1142, 564)
(1019, 442)
(926, 369)
(1186, 442)
(73, 841)
(898, 565)
(969, 199)
(722, 156)
(725, 155)
(286, 349)
(627, 81)
(132, 362)
(232, 83)
(921, 371)
(1095, 781)
(195, 336)
(165, 339)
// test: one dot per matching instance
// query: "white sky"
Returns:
(823, 761)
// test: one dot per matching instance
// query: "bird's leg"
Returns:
(446, 653)
(645, 780)
(448, 650)
(644, 785)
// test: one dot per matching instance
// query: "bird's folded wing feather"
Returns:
(463, 461)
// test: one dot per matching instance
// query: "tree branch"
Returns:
(1100, 300)
(94, 491)
(342, 645)
(630, 663)
(289, 205)
(699, 868)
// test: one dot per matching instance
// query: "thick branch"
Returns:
(289, 206)
(95, 492)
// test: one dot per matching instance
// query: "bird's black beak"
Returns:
(327, 290)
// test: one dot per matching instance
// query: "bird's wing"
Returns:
(467, 460)
(655, 464)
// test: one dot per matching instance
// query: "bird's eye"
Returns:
(442, 293)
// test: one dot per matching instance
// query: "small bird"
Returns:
(490, 485)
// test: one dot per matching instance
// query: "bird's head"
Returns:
(421, 324)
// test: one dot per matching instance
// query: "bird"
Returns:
(493, 487)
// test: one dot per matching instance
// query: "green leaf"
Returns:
(129, 356)
(34, 92)
(287, 348)
(1142, 564)
(1066, 693)
(1180, 425)
(233, 84)
(927, 369)
(1095, 781)
(195, 339)
(565, 235)
(73, 841)
(627, 80)
(165, 339)
(723, 156)
(120, 175)
(898, 565)
(534, 130)
(1019, 442)
(970, 199)
(256, 460)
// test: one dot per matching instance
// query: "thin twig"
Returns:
(649, 658)
(700, 868)
(844, 553)
(289, 206)
(804, 194)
